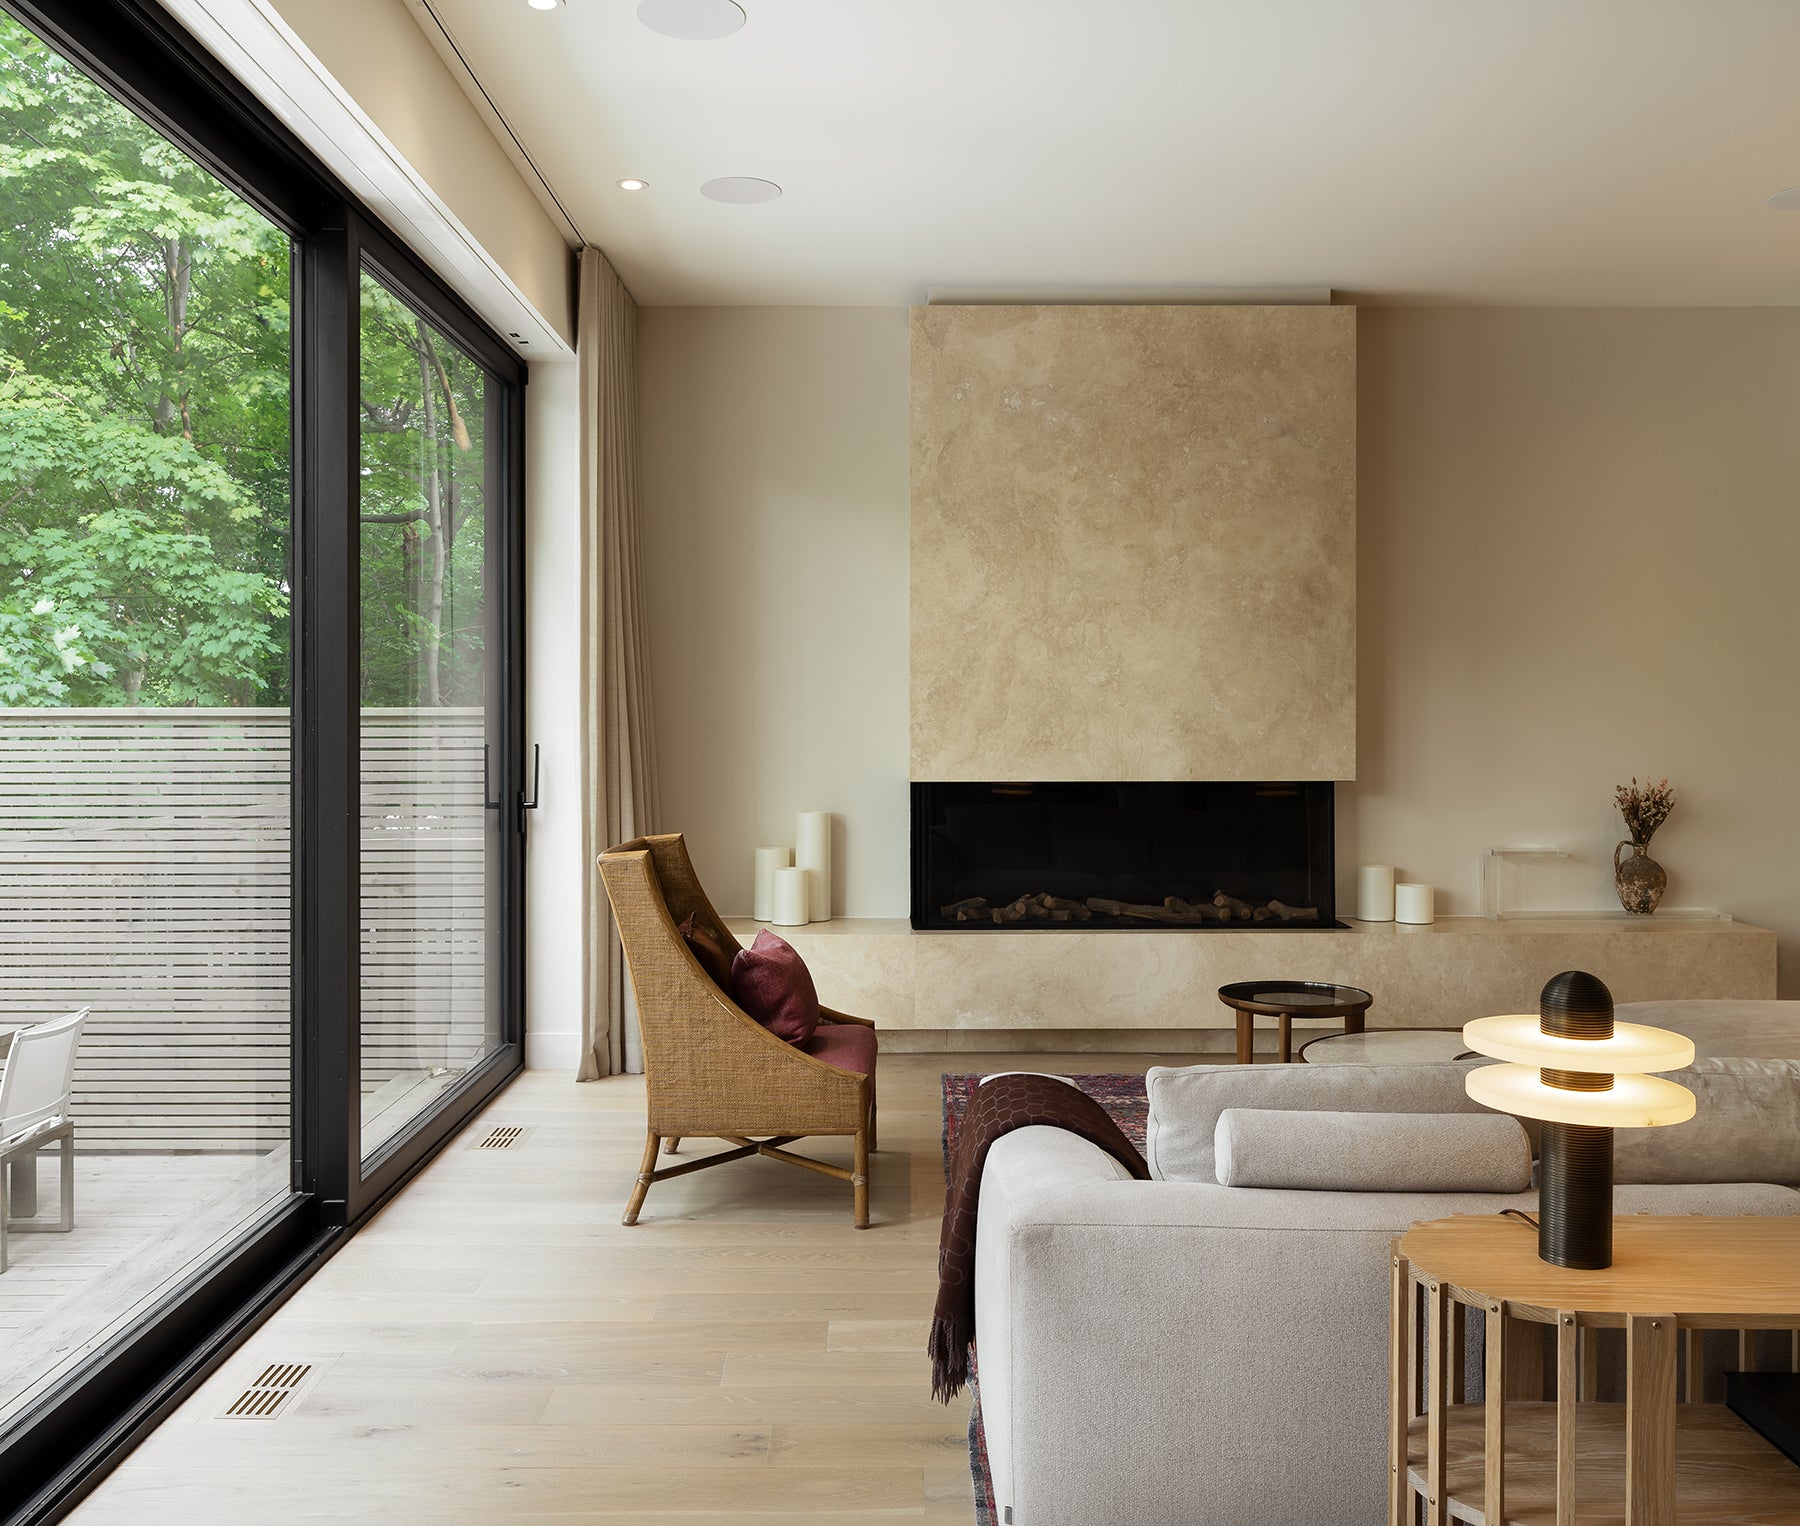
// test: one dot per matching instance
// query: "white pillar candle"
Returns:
(790, 897)
(1414, 903)
(768, 860)
(812, 852)
(1375, 893)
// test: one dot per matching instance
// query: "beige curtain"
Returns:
(618, 742)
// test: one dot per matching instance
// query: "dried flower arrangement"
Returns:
(1645, 808)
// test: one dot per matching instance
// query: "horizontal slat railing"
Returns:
(144, 872)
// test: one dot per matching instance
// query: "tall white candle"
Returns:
(1375, 893)
(812, 852)
(1414, 903)
(790, 897)
(768, 860)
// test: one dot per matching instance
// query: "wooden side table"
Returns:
(1512, 1457)
(1286, 1000)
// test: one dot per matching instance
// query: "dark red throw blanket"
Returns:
(998, 1107)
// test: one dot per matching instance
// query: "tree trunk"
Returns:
(436, 540)
(178, 266)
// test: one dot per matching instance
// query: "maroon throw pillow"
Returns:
(771, 983)
(706, 948)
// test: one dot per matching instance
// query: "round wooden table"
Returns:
(1513, 1456)
(1286, 1000)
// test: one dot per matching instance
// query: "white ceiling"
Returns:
(1437, 151)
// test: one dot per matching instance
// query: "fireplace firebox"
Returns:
(1077, 857)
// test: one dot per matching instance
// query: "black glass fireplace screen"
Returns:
(1081, 857)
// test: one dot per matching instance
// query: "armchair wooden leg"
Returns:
(872, 1130)
(671, 1144)
(860, 1179)
(643, 1182)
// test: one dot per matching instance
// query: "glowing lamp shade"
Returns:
(1632, 1050)
(1633, 1102)
(1584, 1075)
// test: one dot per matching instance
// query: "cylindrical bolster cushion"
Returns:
(1371, 1152)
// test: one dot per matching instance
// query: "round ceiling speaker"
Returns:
(740, 190)
(1786, 201)
(691, 20)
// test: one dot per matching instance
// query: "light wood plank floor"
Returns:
(497, 1347)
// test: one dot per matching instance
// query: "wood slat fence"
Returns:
(145, 873)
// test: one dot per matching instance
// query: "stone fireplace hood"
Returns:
(1133, 543)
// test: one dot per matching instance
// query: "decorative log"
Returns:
(1017, 912)
(1240, 910)
(957, 908)
(1294, 913)
(1204, 912)
(1139, 913)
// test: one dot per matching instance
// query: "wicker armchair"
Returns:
(710, 1069)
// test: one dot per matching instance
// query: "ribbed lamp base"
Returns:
(1575, 1182)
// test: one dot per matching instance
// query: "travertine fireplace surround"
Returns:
(1133, 543)
(1133, 535)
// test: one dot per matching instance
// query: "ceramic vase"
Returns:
(1641, 881)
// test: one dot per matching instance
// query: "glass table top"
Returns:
(1294, 995)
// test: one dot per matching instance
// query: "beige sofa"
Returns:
(1185, 1353)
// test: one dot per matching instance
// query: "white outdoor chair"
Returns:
(34, 1114)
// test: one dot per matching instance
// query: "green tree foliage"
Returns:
(145, 434)
(422, 510)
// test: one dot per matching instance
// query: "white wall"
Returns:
(1578, 534)
(553, 862)
(775, 493)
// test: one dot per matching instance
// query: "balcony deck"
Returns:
(140, 1221)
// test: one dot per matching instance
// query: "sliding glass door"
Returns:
(432, 715)
(146, 778)
(261, 731)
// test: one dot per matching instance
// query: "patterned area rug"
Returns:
(1121, 1096)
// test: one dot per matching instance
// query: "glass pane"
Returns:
(145, 787)
(428, 843)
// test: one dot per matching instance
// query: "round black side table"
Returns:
(1285, 1000)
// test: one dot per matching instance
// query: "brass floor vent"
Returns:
(503, 1136)
(268, 1396)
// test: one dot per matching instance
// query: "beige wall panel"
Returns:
(774, 460)
(1577, 542)
(1133, 543)
(1579, 536)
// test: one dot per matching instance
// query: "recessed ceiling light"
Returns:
(545, 5)
(740, 190)
(691, 20)
(630, 184)
(1786, 201)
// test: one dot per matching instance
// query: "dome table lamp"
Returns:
(1584, 1075)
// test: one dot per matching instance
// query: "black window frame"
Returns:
(54, 1453)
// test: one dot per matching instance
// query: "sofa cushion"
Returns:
(1745, 1128)
(1371, 1152)
(770, 981)
(713, 956)
(1185, 1103)
(849, 1046)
